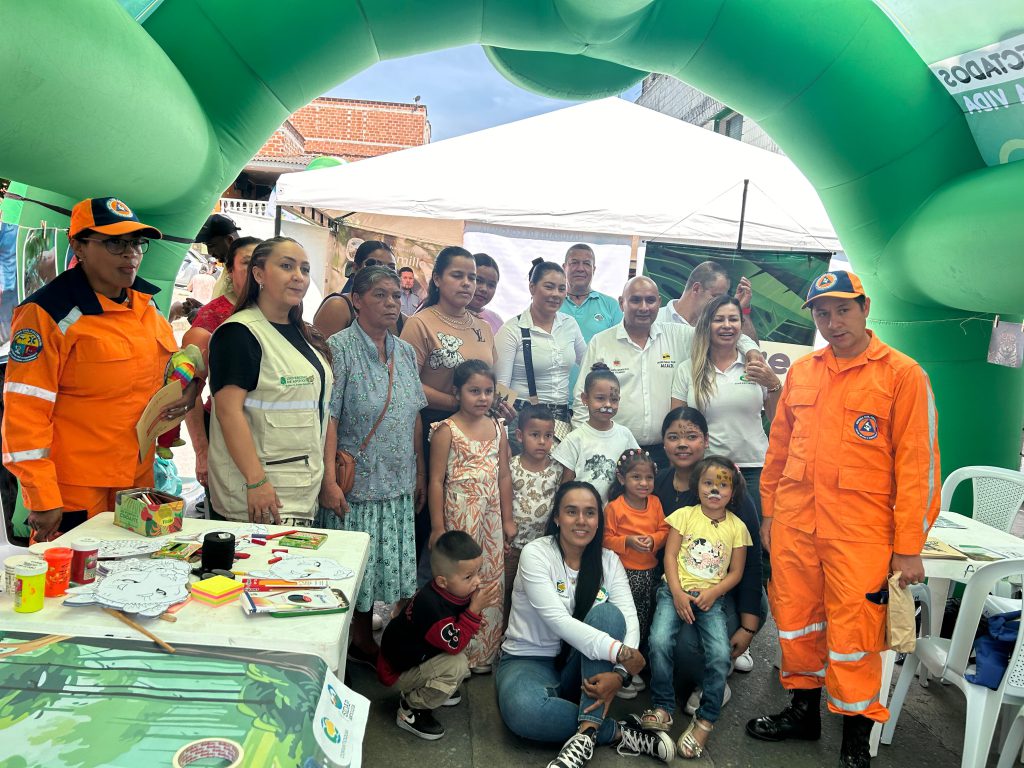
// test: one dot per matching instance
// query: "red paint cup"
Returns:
(58, 572)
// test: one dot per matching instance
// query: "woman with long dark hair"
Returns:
(270, 392)
(572, 637)
(684, 434)
(445, 334)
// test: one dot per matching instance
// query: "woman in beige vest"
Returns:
(271, 381)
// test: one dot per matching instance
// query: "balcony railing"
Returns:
(252, 207)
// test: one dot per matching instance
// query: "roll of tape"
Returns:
(202, 749)
(218, 551)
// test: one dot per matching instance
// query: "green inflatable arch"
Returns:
(163, 103)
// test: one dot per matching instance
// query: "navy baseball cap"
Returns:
(841, 284)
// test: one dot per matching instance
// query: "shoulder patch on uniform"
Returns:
(866, 427)
(26, 345)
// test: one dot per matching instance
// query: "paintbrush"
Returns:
(138, 627)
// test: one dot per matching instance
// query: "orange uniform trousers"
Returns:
(830, 633)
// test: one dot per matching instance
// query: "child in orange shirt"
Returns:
(635, 529)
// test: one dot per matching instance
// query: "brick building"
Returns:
(345, 128)
(675, 98)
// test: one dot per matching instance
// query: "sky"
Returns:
(462, 91)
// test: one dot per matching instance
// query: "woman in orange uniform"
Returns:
(88, 351)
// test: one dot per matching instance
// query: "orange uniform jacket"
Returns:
(81, 370)
(853, 453)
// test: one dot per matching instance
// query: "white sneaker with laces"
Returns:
(628, 691)
(744, 662)
(575, 753)
(693, 703)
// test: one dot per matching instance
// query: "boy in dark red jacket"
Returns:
(423, 649)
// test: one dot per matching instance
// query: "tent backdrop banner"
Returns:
(779, 279)
(514, 248)
(409, 252)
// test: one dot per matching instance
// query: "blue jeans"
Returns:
(538, 701)
(714, 637)
(690, 652)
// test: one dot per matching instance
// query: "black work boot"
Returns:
(800, 720)
(856, 749)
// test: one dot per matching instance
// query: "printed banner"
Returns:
(409, 252)
(979, 59)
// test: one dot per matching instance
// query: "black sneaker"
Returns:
(636, 741)
(454, 699)
(419, 722)
(576, 752)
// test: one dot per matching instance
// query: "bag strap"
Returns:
(531, 381)
(387, 401)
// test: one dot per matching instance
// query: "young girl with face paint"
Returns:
(704, 558)
(635, 529)
(590, 452)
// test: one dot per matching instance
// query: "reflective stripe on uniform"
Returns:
(931, 452)
(850, 706)
(809, 629)
(817, 673)
(30, 390)
(35, 453)
(833, 656)
(69, 319)
(266, 405)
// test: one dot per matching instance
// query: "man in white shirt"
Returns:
(643, 354)
(708, 281)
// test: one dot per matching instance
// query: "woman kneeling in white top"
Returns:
(572, 635)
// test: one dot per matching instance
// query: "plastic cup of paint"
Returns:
(58, 575)
(10, 564)
(29, 585)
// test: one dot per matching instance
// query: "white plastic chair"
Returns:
(947, 660)
(998, 494)
(6, 548)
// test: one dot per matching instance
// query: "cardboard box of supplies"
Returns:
(148, 511)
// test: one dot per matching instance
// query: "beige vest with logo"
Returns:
(283, 413)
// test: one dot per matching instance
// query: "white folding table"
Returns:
(225, 626)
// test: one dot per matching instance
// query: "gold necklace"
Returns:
(466, 321)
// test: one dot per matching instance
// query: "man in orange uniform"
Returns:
(88, 351)
(850, 488)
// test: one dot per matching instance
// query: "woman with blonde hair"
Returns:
(730, 393)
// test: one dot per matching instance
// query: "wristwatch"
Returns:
(622, 672)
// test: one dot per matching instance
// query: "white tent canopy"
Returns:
(607, 166)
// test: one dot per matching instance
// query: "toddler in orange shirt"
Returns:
(635, 529)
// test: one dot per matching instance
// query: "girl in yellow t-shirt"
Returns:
(707, 547)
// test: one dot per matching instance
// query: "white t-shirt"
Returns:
(593, 454)
(735, 428)
(544, 597)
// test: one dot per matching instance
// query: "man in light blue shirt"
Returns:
(592, 310)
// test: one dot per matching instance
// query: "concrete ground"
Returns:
(930, 732)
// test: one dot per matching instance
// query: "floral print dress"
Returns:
(472, 504)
